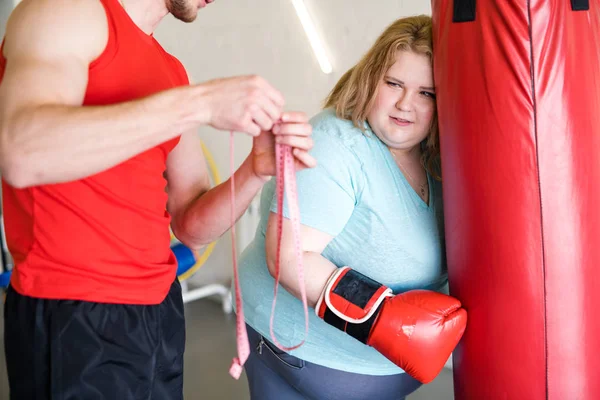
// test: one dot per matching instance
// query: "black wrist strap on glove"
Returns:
(351, 302)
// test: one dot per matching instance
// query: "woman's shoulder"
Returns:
(330, 128)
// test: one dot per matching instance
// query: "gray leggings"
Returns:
(275, 375)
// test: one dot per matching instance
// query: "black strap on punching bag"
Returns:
(580, 5)
(464, 10)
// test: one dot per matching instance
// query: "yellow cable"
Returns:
(216, 178)
(212, 165)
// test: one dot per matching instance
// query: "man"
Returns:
(96, 121)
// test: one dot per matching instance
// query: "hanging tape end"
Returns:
(236, 369)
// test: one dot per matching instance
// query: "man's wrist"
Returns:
(247, 170)
(196, 107)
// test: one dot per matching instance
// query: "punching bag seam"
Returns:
(537, 155)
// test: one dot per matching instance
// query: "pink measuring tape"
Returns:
(285, 178)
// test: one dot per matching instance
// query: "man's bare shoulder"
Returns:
(53, 28)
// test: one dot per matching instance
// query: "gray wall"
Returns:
(6, 7)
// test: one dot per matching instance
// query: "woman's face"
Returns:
(405, 104)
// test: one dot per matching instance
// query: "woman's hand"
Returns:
(293, 130)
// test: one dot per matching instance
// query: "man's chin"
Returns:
(187, 16)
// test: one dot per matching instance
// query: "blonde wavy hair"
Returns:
(354, 94)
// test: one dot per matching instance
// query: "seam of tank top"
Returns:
(171, 62)
(181, 78)
(146, 37)
(112, 44)
(2, 59)
(34, 240)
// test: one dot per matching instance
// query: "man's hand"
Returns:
(293, 130)
(246, 104)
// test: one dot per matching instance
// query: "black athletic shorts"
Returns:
(67, 350)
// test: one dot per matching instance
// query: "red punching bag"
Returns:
(518, 89)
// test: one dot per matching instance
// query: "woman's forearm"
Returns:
(317, 271)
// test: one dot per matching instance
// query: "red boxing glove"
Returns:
(416, 330)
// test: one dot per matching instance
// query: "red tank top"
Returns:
(104, 238)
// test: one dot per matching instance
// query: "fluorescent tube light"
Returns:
(313, 38)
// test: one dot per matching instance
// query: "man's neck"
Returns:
(146, 14)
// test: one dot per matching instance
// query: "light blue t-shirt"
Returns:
(381, 228)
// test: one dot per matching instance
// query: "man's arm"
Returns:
(200, 214)
(47, 136)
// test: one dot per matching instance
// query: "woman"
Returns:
(372, 203)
